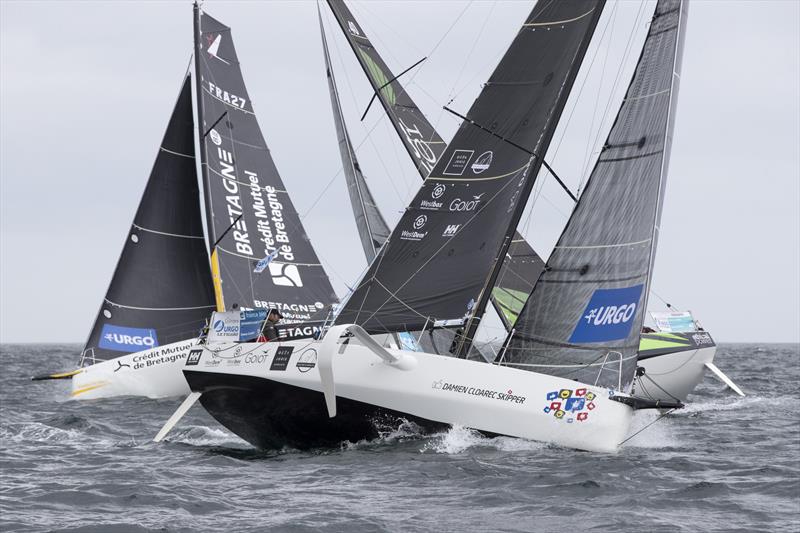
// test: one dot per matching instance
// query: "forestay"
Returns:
(241, 179)
(442, 252)
(522, 265)
(584, 316)
(161, 291)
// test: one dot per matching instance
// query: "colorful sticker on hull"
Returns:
(570, 405)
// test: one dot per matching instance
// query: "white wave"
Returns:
(459, 439)
(659, 434)
(206, 436)
(724, 402)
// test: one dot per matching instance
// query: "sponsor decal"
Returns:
(194, 357)
(415, 235)
(281, 358)
(458, 162)
(570, 405)
(608, 316)
(307, 360)
(216, 138)
(466, 205)
(507, 396)
(285, 275)
(482, 162)
(416, 140)
(123, 339)
(437, 192)
(255, 358)
(120, 365)
(451, 230)
(702, 338)
(164, 355)
(250, 324)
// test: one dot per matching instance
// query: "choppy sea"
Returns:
(724, 463)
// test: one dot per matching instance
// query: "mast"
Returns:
(198, 84)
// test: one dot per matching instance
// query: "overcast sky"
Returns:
(87, 89)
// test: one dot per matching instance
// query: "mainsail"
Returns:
(522, 265)
(161, 291)
(372, 227)
(584, 316)
(445, 251)
(248, 209)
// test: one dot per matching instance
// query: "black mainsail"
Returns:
(584, 317)
(522, 264)
(446, 252)
(248, 209)
(161, 291)
(372, 228)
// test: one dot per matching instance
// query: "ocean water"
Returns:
(722, 464)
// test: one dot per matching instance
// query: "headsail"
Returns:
(584, 316)
(161, 290)
(438, 260)
(372, 227)
(241, 179)
(522, 265)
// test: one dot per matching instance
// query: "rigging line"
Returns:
(660, 387)
(515, 145)
(375, 93)
(617, 79)
(648, 425)
(381, 118)
(223, 115)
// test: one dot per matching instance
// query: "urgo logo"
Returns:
(608, 315)
(123, 339)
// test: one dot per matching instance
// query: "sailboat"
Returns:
(673, 359)
(166, 283)
(437, 268)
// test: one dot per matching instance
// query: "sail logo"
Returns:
(482, 162)
(353, 28)
(608, 316)
(122, 339)
(458, 162)
(466, 205)
(415, 235)
(224, 96)
(216, 138)
(284, 275)
(213, 46)
(438, 191)
(451, 230)
(416, 141)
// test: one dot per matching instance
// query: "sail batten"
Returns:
(589, 303)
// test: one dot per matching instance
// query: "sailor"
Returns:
(270, 330)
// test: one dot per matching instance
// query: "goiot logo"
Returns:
(608, 315)
(482, 162)
(438, 191)
(215, 137)
(466, 205)
(122, 339)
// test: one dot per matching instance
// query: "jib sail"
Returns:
(248, 209)
(522, 265)
(372, 228)
(584, 317)
(444, 252)
(161, 291)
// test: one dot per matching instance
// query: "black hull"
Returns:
(272, 415)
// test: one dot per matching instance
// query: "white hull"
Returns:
(447, 390)
(677, 373)
(154, 373)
